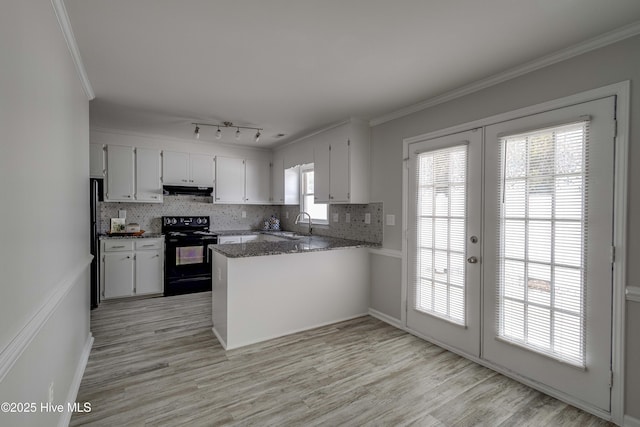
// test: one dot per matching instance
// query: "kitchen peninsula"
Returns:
(267, 289)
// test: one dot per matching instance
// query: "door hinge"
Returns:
(615, 128)
(610, 379)
(612, 254)
(348, 142)
(329, 148)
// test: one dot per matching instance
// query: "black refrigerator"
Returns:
(97, 191)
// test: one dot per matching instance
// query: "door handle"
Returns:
(472, 260)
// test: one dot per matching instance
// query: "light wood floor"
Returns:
(156, 362)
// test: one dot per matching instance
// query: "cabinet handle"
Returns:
(184, 180)
(154, 197)
(128, 196)
(146, 246)
(116, 247)
(128, 257)
(190, 180)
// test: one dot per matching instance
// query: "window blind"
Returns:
(542, 233)
(439, 285)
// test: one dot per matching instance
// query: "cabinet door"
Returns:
(257, 181)
(339, 171)
(223, 240)
(120, 182)
(149, 272)
(118, 274)
(201, 170)
(277, 180)
(229, 180)
(321, 170)
(96, 161)
(148, 185)
(175, 168)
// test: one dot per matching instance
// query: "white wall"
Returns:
(611, 64)
(44, 208)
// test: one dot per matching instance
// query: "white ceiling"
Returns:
(294, 66)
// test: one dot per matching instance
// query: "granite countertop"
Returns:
(292, 245)
(142, 236)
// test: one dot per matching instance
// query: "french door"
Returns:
(445, 209)
(534, 252)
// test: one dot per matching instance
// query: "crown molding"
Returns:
(544, 61)
(65, 25)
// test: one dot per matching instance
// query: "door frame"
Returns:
(622, 92)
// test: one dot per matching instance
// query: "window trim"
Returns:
(309, 167)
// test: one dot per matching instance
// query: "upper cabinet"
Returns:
(120, 174)
(97, 167)
(241, 181)
(277, 178)
(133, 175)
(342, 164)
(148, 183)
(196, 170)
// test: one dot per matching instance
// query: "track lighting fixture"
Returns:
(238, 134)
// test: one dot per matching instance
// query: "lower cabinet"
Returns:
(132, 267)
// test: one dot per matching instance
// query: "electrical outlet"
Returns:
(51, 392)
(391, 219)
(347, 217)
(336, 217)
(244, 214)
(367, 218)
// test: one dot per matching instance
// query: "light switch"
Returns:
(244, 214)
(347, 217)
(336, 217)
(391, 219)
(367, 218)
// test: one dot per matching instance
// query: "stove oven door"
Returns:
(187, 264)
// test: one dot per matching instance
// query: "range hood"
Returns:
(172, 190)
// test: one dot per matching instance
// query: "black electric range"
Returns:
(187, 261)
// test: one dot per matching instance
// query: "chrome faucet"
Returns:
(300, 215)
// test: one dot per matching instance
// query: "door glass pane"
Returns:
(441, 220)
(542, 229)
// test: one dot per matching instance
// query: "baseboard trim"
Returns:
(630, 421)
(386, 318)
(12, 352)
(75, 384)
(223, 343)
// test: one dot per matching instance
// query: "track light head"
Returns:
(258, 135)
(218, 133)
(237, 133)
(197, 132)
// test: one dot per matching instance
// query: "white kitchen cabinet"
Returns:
(187, 169)
(242, 181)
(342, 164)
(321, 171)
(118, 271)
(277, 179)
(223, 240)
(97, 167)
(175, 168)
(201, 170)
(148, 182)
(120, 174)
(229, 180)
(149, 277)
(257, 181)
(132, 267)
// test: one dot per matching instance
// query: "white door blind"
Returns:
(542, 233)
(441, 220)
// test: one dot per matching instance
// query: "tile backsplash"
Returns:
(223, 217)
(355, 229)
(229, 217)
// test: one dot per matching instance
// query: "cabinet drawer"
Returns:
(118, 245)
(148, 244)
